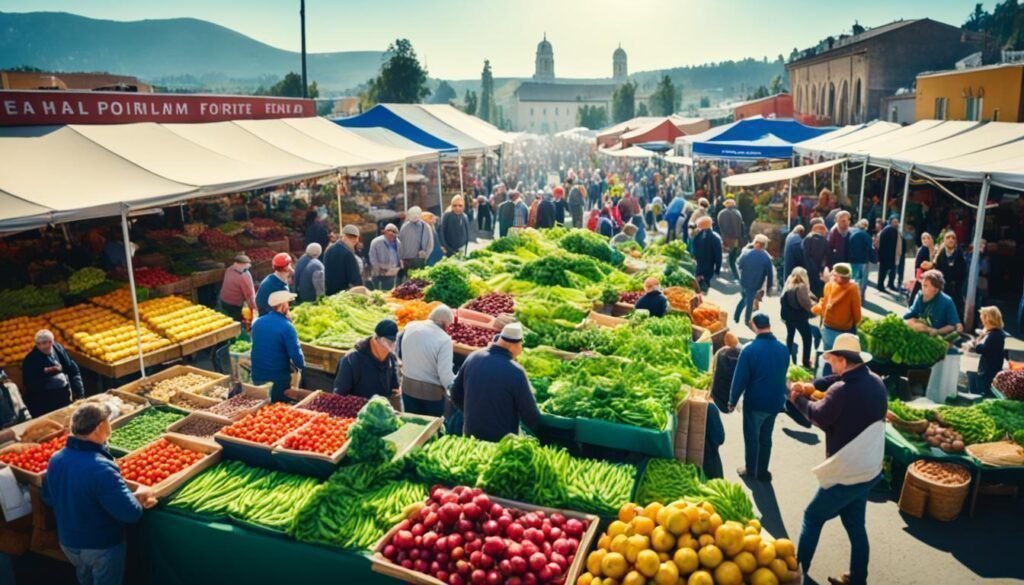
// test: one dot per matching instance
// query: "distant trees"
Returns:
(401, 80)
(486, 108)
(290, 86)
(1005, 23)
(777, 85)
(593, 117)
(443, 94)
(642, 110)
(624, 102)
(469, 102)
(705, 101)
(665, 99)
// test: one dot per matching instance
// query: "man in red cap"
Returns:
(278, 280)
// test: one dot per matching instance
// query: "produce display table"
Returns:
(324, 359)
(177, 550)
(603, 433)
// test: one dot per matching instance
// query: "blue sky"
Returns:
(454, 36)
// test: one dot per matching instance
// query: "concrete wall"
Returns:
(899, 109)
(998, 87)
(550, 117)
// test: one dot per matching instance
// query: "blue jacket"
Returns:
(654, 302)
(605, 227)
(792, 254)
(761, 374)
(755, 268)
(88, 495)
(494, 394)
(270, 285)
(859, 248)
(275, 347)
(300, 266)
(707, 252)
(940, 311)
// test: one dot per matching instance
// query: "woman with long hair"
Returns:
(924, 262)
(796, 311)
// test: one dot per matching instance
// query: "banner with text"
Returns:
(38, 108)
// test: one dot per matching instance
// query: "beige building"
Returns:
(547, 104)
(842, 81)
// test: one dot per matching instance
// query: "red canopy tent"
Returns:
(663, 131)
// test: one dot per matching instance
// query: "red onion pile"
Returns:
(470, 334)
(261, 254)
(410, 289)
(630, 298)
(460, 537)
(337, 406)
(217, 240)
(493, 304)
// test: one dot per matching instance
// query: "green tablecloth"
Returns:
(906, 451)
(182, 550)
(611, 435)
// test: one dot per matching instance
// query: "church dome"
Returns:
(619, 54)
(544, 46)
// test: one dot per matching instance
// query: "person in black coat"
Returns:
(889, 251)
(792, 252)
(991, 344)
(815, 249)
(723, 368)
(51, 378)
(653, 301)
(951, 263)
(707, 252)
(371, 368)
(341, 267)
(546, 213)
(316, 230)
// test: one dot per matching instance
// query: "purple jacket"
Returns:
(837, 244)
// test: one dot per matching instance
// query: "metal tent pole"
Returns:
(863, 181)
(440, 192)
(885, 196)
(131, 286)
(903, 205)
(972, 275)
(337, 192)
(462, 188)
(789, 208)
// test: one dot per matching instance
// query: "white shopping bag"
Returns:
(943, 379)
(14, 497)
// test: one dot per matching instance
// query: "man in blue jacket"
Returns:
(792, 252)
(90, 499)
(860, 249)
(761, 375)
(755, 272)
(275, 347)
(707, 251)
(672, 215)
(492, 390)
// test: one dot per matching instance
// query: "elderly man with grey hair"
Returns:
(51, 378)
(309, 278)
(427, 369)
(415, 240)
(90, 499)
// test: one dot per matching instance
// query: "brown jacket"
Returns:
(839, 306)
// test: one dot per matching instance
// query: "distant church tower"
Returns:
(544, 69)
(619, 70)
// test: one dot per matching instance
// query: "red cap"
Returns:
(282, 260)
(558, 191)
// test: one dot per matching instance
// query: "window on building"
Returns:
(972, 110)
(995, 115)
(894, 115)
(940, 108)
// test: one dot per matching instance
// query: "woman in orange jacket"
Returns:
(839, 306)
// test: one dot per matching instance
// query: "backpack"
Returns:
(791, 309)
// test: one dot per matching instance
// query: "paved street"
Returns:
(904, 550)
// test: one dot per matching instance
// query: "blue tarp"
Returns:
(753, 138)
(380, 116)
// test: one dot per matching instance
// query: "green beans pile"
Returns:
(598, 487)
(452, 460)
(904, 412)
(254, 495)
(522, 470)
(357, 506)
(668, 480)
(144, 428)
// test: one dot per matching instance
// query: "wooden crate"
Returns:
(605, 320)
(44, 539)
(206, 401)
(252, 391)
(166, 487)
(172, 431)
(324, 359)
(181, 287)
(477, 318)
(126, 366)
(30, 477)
(171, 372)
(333, 459)
(191, 346)
(431, 429)
(380, 564)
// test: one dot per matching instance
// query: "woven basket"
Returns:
(915, 427)
(945, 502)
(913, 500)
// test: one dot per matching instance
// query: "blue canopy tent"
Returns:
(381, 116)
(752, 138)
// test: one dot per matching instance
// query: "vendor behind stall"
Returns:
(342, 268)
(237, 289)
(492, 390)
(653, 301)
(274, 282)
(275, 346)
(52, 379)
(427, 372)
(991, 344)
(933, 311)
(308, 279)
(371, 369)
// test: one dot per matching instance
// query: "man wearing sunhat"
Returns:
(415, 240)
(371, 369)
(761, 378)
(384, 258)
(492, 390)
(275, 346)
(852, 415)
(308, 279)
(237, 289)
(275, 281)
(342, 269)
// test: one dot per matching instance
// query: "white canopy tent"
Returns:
(685, 161)
(344, 139)
(631, 152)
(394, 140)
(470, 125)
(431, 124)
(778, 175)
(824, 138)
(818, 146)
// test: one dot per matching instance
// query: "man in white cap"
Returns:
(308, 280)
(852, 414)
(275, 346)
(342, 268)
(415, 240)
(492, 390)
(427, 372)
(384, 259)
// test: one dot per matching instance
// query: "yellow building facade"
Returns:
(991, 93)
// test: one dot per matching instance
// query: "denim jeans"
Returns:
(97, 566)
(424, 407)
(828, 338)
(860, 276)
(746, 304)
(384, 283)
(849, 502)
(757, 439)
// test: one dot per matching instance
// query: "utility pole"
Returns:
(302, 20)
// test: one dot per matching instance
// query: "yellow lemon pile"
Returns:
(686, 544)
(180, 320)
(103, 334)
